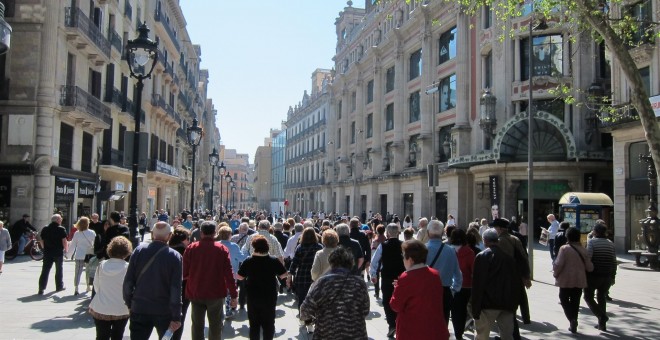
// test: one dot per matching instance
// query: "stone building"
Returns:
(262, 169)
(306, 147)
(278, 203)
(386, 130)
(68, 109)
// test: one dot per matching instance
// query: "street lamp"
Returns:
(213, 161)
(194, 138)
(488, 118)
(139, 52)
(221, 169)
(233, 189)
(5, 31)
(229, 180)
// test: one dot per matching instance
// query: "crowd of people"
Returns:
(474, 275)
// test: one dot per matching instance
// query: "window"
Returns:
(339, 110)
(389, 117)
(66, 146)
(641, 30)
(447, 46)
(488, 70)
(122, 135)
(370, 125)
(370, 91)
(487, 17)
(352, 132)
(413, 151)
(339, 138)
(95, 83)
(554, 107)
(86, 158)
(415, 64)
(447, 93)
(353, 101)
(389, 79)
(547, 57)
(413, 107)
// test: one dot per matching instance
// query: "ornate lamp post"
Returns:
(233, 189)
(213, 161)
(5, 31)
(651, 224)
(229, 180)
(221, 169)
(488, 119)
(139, 52)
(194, 138)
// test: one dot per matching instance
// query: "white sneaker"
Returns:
(310, 328)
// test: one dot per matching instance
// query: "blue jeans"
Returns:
(142, 325)
(22, 242)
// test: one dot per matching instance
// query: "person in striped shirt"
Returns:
(603, 256)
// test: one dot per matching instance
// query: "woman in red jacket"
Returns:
(466, 257)
(417, 297)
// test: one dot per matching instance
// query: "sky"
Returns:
(260, 56)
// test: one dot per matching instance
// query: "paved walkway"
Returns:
(634, 313)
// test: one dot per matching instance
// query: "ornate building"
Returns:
(411, 79)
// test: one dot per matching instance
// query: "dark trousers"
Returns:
(45, 271)
(261, 315)
(242, 293)
(598, 285)
(211, 308)
(524, 305)
(447, 302)
(143, 324)
(387, 288)
(377, 285)
(551, 247)
(459, 311)
(570, 302)
(113, 330)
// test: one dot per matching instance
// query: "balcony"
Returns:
(114, 158)
(83, 105)
(618, 116)
(84, 34)
(115, 41)
(181, 134)
(129, 108)
(158, 101)
(163, 168)
(159, 18)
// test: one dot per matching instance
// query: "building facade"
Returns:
(306, 147)
(278, 203)
(262, 171)
(68, 109)
(387, 130)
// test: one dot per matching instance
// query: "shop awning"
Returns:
(585, 198)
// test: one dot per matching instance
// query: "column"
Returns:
(427, 102)
(399, 160)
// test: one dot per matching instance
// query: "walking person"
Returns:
(442, 257)
(495, 289)
(465, 256)
(338, 301)
(237, 256)
(82, 247)
(321, 265)
(261, 272)
(300, 272)
(603, 256)
(5, 243)
(388, 261)
(416, 295)
(179, 241)
(207, 270)
(54, 243)
(152, 286)
(20, 232)
(107, 307)
(115, 229)
(570, 272)
(552, 230)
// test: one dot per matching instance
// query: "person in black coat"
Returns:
(113, 231)
(560, 237)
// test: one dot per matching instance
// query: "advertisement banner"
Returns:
(494, 187)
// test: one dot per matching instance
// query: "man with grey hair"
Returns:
(274, 247)
(388, 259)
(423, 234)
(242, 235)
(442, 257)
(154, 302)
(53, 241)
(495, 291)
(346, 241)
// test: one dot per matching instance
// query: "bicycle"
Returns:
(33, 247)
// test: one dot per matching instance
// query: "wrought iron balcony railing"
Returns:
(74, 17)
(159, 18)
(73, 96)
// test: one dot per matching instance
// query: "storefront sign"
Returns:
(119, 186)
(589, 182)
(65, 189)
(165, 168)
(494, 187)
(152, 192)
(86, 189)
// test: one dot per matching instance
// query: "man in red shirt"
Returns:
(207, 269)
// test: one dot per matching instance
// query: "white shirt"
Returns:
(291, 245)
(82, 243)
(274, 246)
(108, 284)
